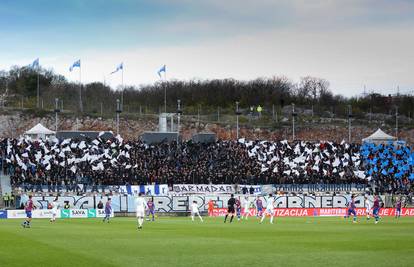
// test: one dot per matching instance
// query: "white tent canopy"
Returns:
(39, 131)
(379, 137)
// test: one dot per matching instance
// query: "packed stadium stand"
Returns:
(383, 167)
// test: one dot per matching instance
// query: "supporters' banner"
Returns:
(162, 189)
(303, 212)
(154, 190)
(76, 188)
(268, 189)
(204, 189)
(257, 189)
(151, 190)
(3, 214)
(214, 189)
(181, 203)
(319, 187)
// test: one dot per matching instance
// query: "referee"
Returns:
(230, 208)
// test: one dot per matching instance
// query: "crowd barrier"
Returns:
(47, 214)
(303, 212)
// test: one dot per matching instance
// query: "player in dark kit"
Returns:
(376, 208)
(259, 207)
(230, 208)
(108, 210)
(352, 209)
(238, 208)
(398, 208)
(151, 209)
(28, 209)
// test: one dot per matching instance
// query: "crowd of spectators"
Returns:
(117, 162)
(391, 166)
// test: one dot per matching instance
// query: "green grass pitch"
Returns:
(179, 242)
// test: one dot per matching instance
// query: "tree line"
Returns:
(18, 86)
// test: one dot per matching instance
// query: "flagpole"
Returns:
(122, 88)
(38, 90)
(80, 89)
(165, 92)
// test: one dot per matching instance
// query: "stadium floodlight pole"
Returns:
(396, 122)
(57, 110)
(276, 119)
(370, 108)
(294, 114)
(312, 112)
(179, 112)
(237, 119)
(118, 111)
(349, 123)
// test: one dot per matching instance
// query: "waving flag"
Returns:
(75, 64)
(162, 69)
(35, 64)
(119, 67)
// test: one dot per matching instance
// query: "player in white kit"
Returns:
(269, 209)
(195, 211)
(246, 207)
(141, 206)
(367, 207)
(55, 209)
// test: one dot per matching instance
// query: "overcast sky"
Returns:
(350, 43)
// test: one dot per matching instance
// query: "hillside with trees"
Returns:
(18, 88)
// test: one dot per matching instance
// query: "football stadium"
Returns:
(206, 133)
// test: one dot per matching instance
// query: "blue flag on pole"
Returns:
(35, 64)
(75, 64)
(162, 69)
(119, 67)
